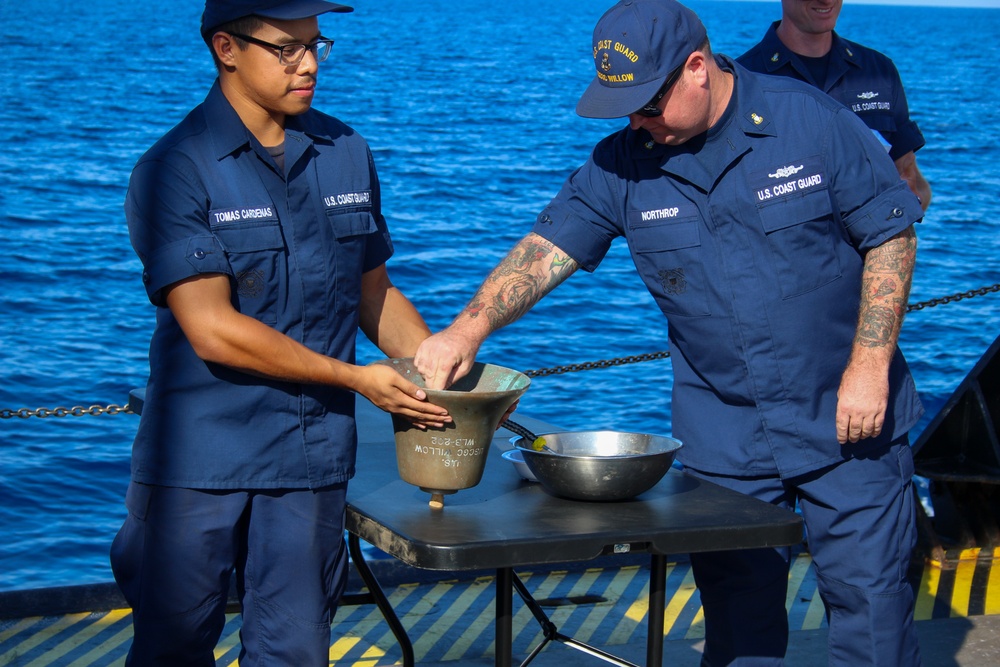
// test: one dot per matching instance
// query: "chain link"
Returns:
(75, 411)
(604, 363)
(79, 411)
(982, 291)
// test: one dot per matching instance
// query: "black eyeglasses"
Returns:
(652, 108)
(291, 55)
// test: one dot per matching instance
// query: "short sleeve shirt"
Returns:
(750, 238)
(862, 79)
(209, 199)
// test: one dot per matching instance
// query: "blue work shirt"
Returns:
(750, 238)
(207, 198)
(863, 80)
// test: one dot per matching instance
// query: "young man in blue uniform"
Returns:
(804, 46)
(258, 222)
(776, 236)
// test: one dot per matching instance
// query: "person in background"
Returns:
(259, 226)
(774, 233)
(803, 45)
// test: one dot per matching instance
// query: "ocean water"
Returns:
(469, 110)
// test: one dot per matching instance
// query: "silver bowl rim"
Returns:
(592, 457)
(515, 457)
(510, 454)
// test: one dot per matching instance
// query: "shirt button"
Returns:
(145, 277)
(199, 254)
(896, 213)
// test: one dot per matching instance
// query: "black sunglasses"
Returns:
(652, 108)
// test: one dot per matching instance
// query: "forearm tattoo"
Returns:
(529, 272)
(886, 290)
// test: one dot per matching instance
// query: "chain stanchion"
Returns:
(80, 411)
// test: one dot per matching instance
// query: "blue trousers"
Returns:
(175, 554)
(861, 530)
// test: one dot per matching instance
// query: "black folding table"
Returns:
(505, 523)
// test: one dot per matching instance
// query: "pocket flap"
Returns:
(355, 223)
(668, 236)
(251, 238)
(795, 211)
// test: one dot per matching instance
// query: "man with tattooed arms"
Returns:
(776, 236)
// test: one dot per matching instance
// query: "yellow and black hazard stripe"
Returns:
(453, 620)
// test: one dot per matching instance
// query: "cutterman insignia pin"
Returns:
(757, 120)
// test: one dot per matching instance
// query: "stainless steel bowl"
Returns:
(599, 465)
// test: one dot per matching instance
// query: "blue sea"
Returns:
(469, 108)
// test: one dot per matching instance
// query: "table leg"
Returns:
(505, 619)
(380, 600)
(550, 632)
(657, 603)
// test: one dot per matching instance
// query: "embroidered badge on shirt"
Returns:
(869, 103)
(250, 283)
(224, 216)
(359, 198)
(786, 180)
(673, 281)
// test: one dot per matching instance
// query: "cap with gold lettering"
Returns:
(637, 43)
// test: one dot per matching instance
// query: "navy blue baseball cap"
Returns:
(218, 12)
(637, 43)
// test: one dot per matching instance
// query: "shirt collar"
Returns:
(753, 112)
(229, 134)
(753, 115)
(702, 163)
(777, 55)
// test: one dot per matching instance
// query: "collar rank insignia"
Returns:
(775, 57)
(757, 120)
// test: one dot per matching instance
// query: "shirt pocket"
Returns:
(351, 230)
(802, 239)
(256, 254)
(670, 259)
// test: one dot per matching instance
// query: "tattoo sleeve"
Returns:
(885, 290)
(532, 269)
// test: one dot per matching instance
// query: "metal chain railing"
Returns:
(603, 363)
(620, 361)
(79, 411)
(75, 411)
(954, 297)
